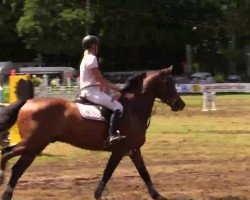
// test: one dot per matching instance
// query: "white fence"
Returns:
(64, 92)
(70, 92)
(56, 90)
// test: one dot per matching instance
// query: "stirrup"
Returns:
(116, 137)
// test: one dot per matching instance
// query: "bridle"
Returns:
(166, 100)
(170, 103)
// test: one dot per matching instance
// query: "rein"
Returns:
(149, 121)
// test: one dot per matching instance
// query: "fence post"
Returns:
(209, 100)
(205, 102)
(44, 86)
(213, 103)
(69, 75)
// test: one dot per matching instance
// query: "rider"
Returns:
(96, 89)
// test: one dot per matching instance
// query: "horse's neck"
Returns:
(148, 97)
(142, 105)
(146, 105)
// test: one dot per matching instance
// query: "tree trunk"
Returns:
(247, 53)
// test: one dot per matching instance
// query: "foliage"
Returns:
(6, 94)
(35, 81)
(219, 78)
(11, 44)
(156, 30)
(53, 26)
(134, 34)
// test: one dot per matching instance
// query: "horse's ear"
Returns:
(167, 70)
(170, 69)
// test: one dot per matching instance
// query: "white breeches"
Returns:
(93, 94)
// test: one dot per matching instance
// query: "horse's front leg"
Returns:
(113, 162)
(137, 159)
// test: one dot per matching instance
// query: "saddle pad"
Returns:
(90, 112)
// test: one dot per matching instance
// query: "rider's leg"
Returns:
(113, 127)
(99, 97)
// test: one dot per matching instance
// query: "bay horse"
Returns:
(45, 120)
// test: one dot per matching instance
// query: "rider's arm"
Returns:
(98, 77)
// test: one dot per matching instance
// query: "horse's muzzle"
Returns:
(178, 105)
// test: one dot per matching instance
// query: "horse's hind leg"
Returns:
(6, 155)
(17, 170)
(113, 162)
(138, 161)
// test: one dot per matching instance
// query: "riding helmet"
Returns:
(89, 40)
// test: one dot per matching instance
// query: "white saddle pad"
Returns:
(90, 112)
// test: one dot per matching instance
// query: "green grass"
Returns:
(222, 134)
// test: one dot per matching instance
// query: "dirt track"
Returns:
(174, 179)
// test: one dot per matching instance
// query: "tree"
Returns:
(134, 34)
(54, 27)
(236, 27)
(12, 46)
(155, 30)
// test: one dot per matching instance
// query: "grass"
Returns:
(209, 132)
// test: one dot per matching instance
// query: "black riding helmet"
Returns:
(89, 40)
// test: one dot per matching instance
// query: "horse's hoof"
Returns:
(99, 190)
(98, 195)
(7, 195)
(1, 177)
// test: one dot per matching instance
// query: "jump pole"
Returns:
(209, 101)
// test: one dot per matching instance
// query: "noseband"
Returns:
(172, 102)
(165, 99)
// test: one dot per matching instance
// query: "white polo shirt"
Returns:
(86, 77)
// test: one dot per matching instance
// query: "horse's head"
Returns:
(166, 90)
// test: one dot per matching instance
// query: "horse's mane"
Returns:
(134, 83)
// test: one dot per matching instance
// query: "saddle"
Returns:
(91, 110)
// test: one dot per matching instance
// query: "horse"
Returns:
(42, 121)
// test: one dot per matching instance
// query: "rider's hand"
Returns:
(117, 95)
(105, 88)
(116, 87)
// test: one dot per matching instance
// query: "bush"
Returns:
(6, 94)
(219, 78)
(35, 81)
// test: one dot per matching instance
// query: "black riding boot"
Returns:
(114, 135)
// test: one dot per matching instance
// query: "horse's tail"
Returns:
(9, 114)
